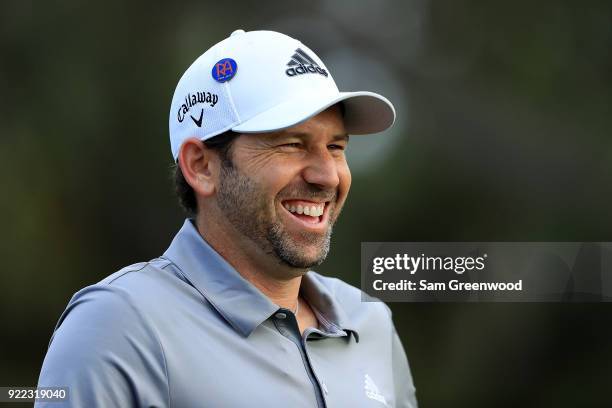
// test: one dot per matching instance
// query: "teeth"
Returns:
(313, 210)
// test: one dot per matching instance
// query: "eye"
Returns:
(290, 146)
(336, 147)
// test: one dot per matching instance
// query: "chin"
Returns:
(300, 260)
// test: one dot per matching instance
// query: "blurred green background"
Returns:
(503, 135)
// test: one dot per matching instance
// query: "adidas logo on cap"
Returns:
(301, 63)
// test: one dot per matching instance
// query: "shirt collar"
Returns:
(236, 299)
(328, 310)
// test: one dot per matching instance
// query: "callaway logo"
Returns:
(301, 63)
(372, 391)
(198, 122)
(193, 100)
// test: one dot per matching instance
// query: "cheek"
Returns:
(274, 179)
(344, 174)
(269, 172)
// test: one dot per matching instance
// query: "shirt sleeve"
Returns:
(105, 353)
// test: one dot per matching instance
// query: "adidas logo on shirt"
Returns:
(372, 391)
(301, 63)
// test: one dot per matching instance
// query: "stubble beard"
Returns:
(244, 204)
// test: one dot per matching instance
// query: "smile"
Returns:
(307, 212)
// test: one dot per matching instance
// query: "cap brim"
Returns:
(364, 113)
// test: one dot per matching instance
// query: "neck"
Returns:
(280, 283)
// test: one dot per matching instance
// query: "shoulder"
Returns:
(104, 346)
(117, 301)
(137, 274)
(136, 286)
(123, 302)
(135, 299)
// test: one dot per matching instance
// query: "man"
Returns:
(231, 315)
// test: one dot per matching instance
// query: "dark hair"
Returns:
(222, 145)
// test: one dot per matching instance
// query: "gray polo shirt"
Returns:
(186, 330)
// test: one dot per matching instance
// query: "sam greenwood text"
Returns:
(453, 285)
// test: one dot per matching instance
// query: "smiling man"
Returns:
(232, 314)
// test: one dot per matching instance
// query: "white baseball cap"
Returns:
(262, 81)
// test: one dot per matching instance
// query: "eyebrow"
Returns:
(344, 136)
(341, 137)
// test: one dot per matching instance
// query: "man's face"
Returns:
(285, 189)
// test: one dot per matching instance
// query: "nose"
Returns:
(322, 169)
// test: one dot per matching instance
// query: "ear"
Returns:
(200, 166)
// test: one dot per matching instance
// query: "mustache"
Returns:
(309, 192)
